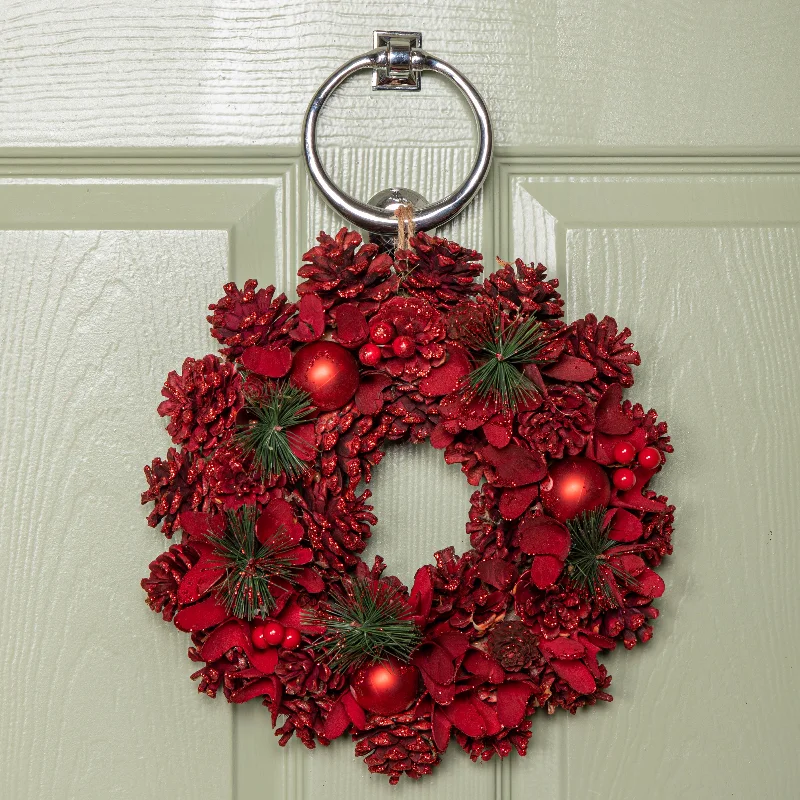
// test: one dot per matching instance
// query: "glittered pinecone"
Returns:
(399, 745)
(562, 423)
(247, 317)
(202, 402)
(521, 288)
(438, 271)
(166, 574)
(410, 415)
(338, 271)
(301, 674)
(512, 645)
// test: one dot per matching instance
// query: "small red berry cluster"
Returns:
(624, 477)
(273, 634)
(383, 334)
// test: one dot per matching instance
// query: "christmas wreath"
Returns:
(275, 439)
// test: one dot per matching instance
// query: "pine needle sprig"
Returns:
(587, 561)
(504, 348)
(250, 566)
(366, 622)
(274, 412)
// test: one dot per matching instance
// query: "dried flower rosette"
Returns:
(275, 437)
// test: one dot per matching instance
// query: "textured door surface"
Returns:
(648, 153)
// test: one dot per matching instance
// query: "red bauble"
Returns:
(624, 478)
(369, 354)
(291, 638)
(404, 347)
(624, 452)
(576, 485)
(649, 458)
(385, 688)
(382, 332)
(327, 371)
(273, 633)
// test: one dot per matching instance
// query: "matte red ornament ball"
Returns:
(404, 347)
(576, 485)
(649, 457)
(385, 688)
(624, 478)
(291, 638)
(382, 332)
(273, 633)
(369, 354)
(624, 452)
(327, 371)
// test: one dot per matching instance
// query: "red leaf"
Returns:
(441, 729)
(266, 686)
(545, 571)
(625, 527)
(271, 363)
(497, 572)
(514, 502)
(576, 674)
(222, 639)
(571, 368)
(649, 584)
(369, 395)
(201, 616)
(561, 647)
(497, 433)
(337, 721)
(446, 379)
(514, 465)
(609, 416)
(466, 717)
(436, 663)
(198, 581)
(300, 555)
(351, 325)
(310, 580)
(512, 698)
(354, 711)
(476, 662)
(278, 514)
(543, 535)
(455, 643)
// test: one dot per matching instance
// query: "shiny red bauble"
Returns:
(291, 638)
(273, 633)
(576, 485)
(382, 332)
(258, 636)
(649, 457)
(624, 452)
(385, 688)
(327, 371)
(624, 478)
(369, 354)
(404, 347)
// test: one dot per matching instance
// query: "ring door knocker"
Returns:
(397, 63)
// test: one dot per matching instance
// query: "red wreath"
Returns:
(275, 440)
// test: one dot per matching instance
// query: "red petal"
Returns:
(497, 572)
(263, 660)
(625, 527)
(512, 698)
(197, 525)
(497, 433)
(441, 729)
(562, 648)
(571, 368)
(484, 666)
(609, 416)
(273, 363)
(310, 580)
(466, 717)
(354, 711)
(440, 437)
(649, 584)
(337, 721)
(201, 616)
(514, 465)
(446, 379)
(266, 686)
(576, 674)
(300, 555)
(514, 502)
(545, 571)
(421, 596)
(351, 325)
(455, 643)
(276, 515)
(199, 580)
(436, 663)
(302, 441)
(369, 395)
(544, 536)
(222, 639)
(311, 319)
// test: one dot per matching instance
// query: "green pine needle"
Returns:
(505, 349)
(275, 411)
(587, 554)
(250, 566)
(366, 622)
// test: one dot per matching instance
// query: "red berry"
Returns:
(649, 458)
(624, 452)
(624, 478)
(382, 332)
(404, 347)
(369, 354)
(291, 638)
(273, 633)
(259, 637)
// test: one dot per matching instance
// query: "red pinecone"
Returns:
(301, 674)
(166, 574)
(523, 288)
(411, 415)
(338, 271)
(398, 745)
(562, 423)
(202, 402)
(438, 271)
(512, 644)
(247, 317)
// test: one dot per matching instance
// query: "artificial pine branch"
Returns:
(366, 622)
(250, 566)
(587, 561)
(274, 412)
